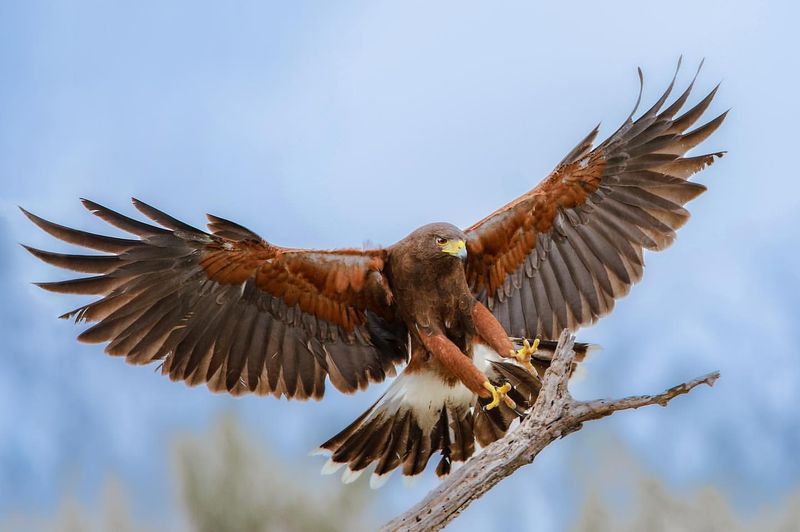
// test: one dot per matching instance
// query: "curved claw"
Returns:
(499, 393)
(523, 355)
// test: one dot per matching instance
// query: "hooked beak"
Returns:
(456, 248)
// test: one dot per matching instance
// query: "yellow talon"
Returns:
(523, 355)
(499, 393)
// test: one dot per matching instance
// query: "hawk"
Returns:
(229, 309)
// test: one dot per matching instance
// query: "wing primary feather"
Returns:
(639, 97)
(656, 106)
(77, 263)
(82, 238)
(686, 167)
(228, 229)
(640, 197)
(670, 111)
(163, 218)
(97, 285)
(693, 138)
(685, 121)
(628, 121)
(652, 141)
(121, 221)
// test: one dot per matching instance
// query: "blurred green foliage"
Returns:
(227, 481)
(620, 497)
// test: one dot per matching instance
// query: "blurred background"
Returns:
(322, 124)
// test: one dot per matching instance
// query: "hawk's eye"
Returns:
(441, 240)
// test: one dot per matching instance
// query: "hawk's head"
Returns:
(438, 242)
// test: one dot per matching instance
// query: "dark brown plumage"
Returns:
(229, 309)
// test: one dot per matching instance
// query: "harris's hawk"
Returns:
(226, 308)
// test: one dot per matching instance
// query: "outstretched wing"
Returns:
(558, 256)
(229, 309)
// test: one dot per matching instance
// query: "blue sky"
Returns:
(323, 125)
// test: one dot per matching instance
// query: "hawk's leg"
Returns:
(461, 366)
(493, 334)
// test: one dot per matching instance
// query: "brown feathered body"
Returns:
(430, 288)
(229, 309)
(429, 408)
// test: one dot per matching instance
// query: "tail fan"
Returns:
(421, 414)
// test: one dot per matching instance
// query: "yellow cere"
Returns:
(454, 247)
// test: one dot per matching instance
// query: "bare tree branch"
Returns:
(554, 415)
